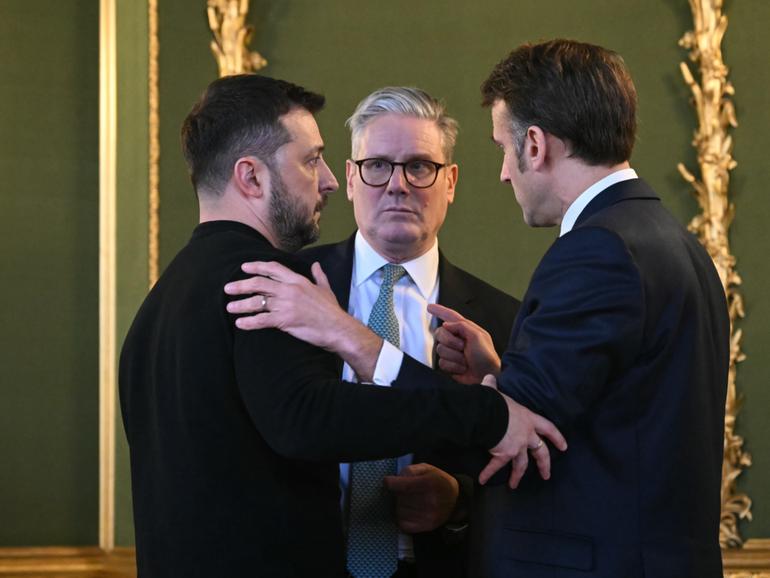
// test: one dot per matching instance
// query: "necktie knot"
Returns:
(391, 274)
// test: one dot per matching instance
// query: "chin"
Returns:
(401, 234)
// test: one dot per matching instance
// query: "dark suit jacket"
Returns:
(622, 341)
(439, 554)
(235, 435)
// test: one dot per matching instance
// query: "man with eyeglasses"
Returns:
(401, 180)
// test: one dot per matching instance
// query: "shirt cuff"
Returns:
(388, 364)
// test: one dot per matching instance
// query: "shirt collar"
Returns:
(423, 270)
(580, 203)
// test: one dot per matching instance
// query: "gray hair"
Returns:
(406, 101)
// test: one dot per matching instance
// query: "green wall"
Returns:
(133, 208)
(49, 270)
(747, 49)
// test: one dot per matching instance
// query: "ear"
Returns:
(251, 177)
(452, 172)
(535, 147)
(350, 174)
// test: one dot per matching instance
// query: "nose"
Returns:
(505, 177)
(397, 183)
(327, 182)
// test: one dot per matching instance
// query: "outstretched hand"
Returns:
(524, 437)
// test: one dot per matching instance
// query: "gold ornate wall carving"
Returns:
(750, 561)
(227, 20)
(716, 115)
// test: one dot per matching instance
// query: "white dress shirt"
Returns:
(580, 203)
(411, 296)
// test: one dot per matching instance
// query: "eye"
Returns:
(314, 161)
(419, 168)
(375, 164)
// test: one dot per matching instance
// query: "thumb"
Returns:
(490, 381)
(415, 470)
(319, 276)
(402, 484)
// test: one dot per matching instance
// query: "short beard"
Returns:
(292, 227)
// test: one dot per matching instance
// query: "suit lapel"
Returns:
(453, 292)
(338, 266)
(337, 263)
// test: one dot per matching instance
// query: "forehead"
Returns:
(395, 135)
(501, 120)
(302, 127)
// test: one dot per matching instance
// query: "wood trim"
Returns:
(67, 562)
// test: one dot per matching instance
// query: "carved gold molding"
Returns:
(716, 114)
(58, 562)
(751, 561)
(227, 20)
(107, 269)
(154, 145)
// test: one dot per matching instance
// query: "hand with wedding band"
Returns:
(281, 298)
(277, 297)
(522, 440)
(540, 443)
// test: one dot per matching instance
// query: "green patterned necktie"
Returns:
(372, 530)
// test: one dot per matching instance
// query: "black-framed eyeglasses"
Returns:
(418, 173)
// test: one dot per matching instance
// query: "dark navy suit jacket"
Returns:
(439, 554)
(622, 341)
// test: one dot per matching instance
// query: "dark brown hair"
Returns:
(578, 92)
(239, 116)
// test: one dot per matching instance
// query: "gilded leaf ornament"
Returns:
(232, 36)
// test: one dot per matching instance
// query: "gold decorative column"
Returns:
(227, 20)
(716, 115)
(107, 269)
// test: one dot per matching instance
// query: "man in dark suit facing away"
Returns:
(235, 436)
(621, 339)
